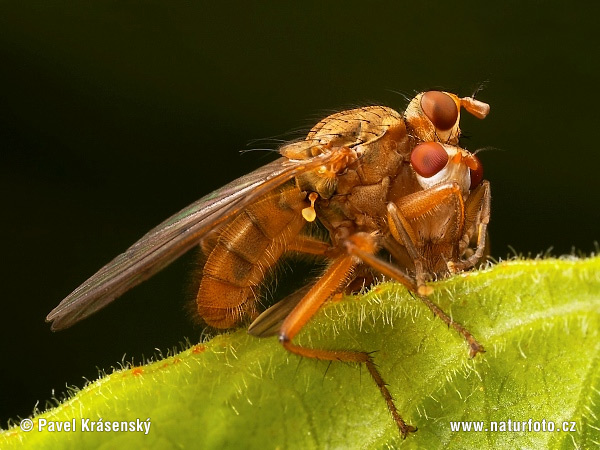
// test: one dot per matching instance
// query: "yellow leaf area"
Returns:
(537, 319)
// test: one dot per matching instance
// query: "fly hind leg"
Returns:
(335, 277)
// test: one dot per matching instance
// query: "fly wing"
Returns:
(270, 320)
(174, 237)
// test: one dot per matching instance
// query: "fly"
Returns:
(380, 182)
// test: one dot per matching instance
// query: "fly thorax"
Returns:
(323, 184)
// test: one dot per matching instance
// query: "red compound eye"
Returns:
(428, 159)
(476, 171)
(440, 109)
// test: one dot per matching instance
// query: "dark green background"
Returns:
(113, 115)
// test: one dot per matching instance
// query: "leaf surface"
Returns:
(539, 321)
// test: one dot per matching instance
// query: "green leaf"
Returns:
(539, 321)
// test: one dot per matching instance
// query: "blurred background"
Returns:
(116, 114)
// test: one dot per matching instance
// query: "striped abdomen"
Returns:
(246, 249)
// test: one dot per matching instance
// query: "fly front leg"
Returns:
(428, 219)
(404, 233)
(334, 278)
(477, 210)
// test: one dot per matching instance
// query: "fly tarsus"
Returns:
(353, 357)
(474, 346)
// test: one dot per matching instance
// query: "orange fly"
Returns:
(395, 192)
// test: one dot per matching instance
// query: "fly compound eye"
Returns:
(428, 159)
(475, 170)
(440, 108)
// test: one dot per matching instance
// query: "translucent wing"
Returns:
(172, 238)
(269, 322)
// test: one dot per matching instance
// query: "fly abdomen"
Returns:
(246, 249)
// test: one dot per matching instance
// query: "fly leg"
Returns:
(403, 233)
(335, 277)
(312, 246)
(269, 322)
(445, 200)
(308, 245)
(478, 217)
(400, 229)
(394, 272)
